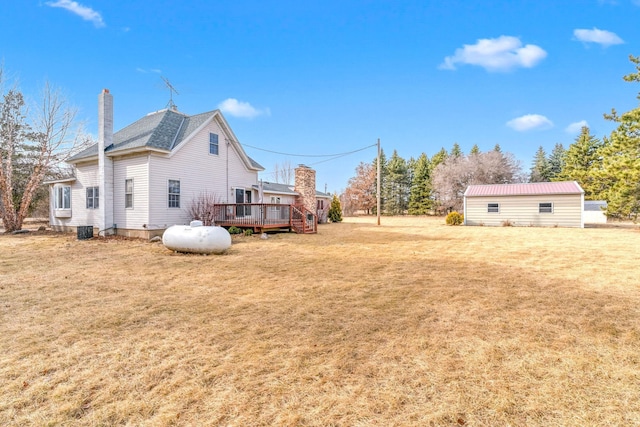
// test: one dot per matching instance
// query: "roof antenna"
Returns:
(170, 104)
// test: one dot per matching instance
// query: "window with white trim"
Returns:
(493, 207)
(213, 144)
(174, 193)
(545, 207)
(62, 197)
(93, 195)
(128, 193)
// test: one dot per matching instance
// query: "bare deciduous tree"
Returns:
(203, 208)
(32, 143)
(452, 177)
(284, 173)
(360, 194)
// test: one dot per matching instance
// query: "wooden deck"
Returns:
(264, 216)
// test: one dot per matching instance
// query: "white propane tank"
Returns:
(197, 239)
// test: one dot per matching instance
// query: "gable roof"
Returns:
(530, 189)
(162, 130)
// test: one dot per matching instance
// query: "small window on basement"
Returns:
(545, 207)
(213, 143)
(493, 208)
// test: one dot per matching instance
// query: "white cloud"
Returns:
(501, 54)
(530, 122)
(84, 12)
(236, 108)
(602, 37)
(145, 71)
(575, 128)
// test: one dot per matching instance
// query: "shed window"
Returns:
(174, 193)
(92, 197)
(213, 143)
(493, 208)
(545, 207)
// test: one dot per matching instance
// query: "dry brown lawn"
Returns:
(412, 323)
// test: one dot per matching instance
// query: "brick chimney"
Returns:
(305, 186)
(105, 164)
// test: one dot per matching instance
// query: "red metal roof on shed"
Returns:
(530, 189)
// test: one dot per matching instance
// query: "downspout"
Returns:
(227, 171)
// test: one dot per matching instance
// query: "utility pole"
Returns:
(378, 189)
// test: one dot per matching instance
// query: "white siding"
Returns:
(595, 217)
(523, 211)
(137, 169)
(86, 176)
(197, 171)
(284, 199)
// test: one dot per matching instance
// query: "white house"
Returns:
(140, 180)
(540, 204)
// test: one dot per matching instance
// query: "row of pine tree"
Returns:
(607, 169)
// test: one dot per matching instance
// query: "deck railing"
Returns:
(266, 215)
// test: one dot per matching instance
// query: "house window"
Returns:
(213, 143)
(493, 208)
(174, 193)
(62, 197)
(545, 207)
(93, 195)
(243, 197)
(320, 204)
(128, 193)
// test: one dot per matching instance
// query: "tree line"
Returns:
(606, 168)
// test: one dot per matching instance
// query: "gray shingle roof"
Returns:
(162, 130)
(273, 187)
(255, 164)
(156, 130)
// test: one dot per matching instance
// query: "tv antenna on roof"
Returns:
(170, 104)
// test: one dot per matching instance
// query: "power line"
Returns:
(310, 155)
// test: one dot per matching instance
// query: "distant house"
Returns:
(142, 179)
(540, 204)
(594, 212)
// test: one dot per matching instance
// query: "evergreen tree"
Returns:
(620, 172)
(420, 201)
(335, 210)
(455, 150)
(497, 148)
(396, 185)
(438, 158)
(540, 171)
(474, 150)
(556, 161)
(582, 161)
(383, 179)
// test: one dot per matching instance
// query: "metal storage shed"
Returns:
(538, 204)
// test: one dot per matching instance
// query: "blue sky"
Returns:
(328, 77)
